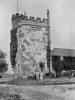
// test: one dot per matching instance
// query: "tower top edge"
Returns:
(19, 17)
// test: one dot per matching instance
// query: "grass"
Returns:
(5, 96)
(47, 81)
(27, 93)
(7, 93)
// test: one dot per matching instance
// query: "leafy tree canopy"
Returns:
(3, 66)
(2, 54)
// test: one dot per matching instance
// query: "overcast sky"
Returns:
(62, 19)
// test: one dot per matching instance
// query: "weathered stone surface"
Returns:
(23, 59)
(33, 45)
(28, 53)
(25, 41)
(23, 47)
(21, 35)
(26, 69)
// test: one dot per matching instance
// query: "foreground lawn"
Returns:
(30, 93)
(37, 92)
(47, 81)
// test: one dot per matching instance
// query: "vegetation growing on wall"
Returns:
(13, 47)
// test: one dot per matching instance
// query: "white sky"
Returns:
(62, 20)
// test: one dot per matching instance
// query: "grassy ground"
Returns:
(47, 81)
(37, 92)
(30, 93)
(23, 89)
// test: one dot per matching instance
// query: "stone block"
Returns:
(23, 47)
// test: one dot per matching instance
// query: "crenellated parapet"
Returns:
(21, 19)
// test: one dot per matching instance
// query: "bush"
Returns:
(32, 77)
(67, 74)
(3, 66)
(49, 75)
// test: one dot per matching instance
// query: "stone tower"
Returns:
(32, 39)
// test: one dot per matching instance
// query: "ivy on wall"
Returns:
(13, 47)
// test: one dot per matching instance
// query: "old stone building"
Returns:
(32, 38)
(63, 60)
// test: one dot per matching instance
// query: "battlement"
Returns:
(22, 19)
(18, 17)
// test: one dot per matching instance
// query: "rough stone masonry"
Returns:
(32, 42)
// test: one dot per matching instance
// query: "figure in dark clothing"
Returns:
(41, 66)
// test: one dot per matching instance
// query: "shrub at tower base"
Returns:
(13, 47)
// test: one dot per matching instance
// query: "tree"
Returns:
(57, 65)
(3, 66)
(2, 54)
(13, 47)
(3, 63)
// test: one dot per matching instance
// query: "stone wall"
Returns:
(32, 42)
